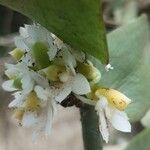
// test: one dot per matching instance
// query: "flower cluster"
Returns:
(47, 72)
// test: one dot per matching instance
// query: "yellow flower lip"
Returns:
(114, 97)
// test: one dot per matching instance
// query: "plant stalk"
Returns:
(90, 128)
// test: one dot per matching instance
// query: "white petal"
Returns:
(20, 43)
(37, 33)
(23, 32)
(102, 103)
(50, 116)
(28, 59)
(69, 59)
(80, 85)
(103, 123)
(41, 93)
(29, 119)
(27, 84)
(8, 86)
(18, 101)
(57, 41)
(120, 121)
(62, 93)
(39, 79)
(52, 51)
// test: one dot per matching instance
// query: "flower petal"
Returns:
(41, 93)
(120, 121)
(62, 93)
(18, 101)
(103, 123)
(50, 117)
(23, 32)
(27, 84)
(52, 51)
(69, 59)
(8, 86)
(80, 85)
(20, 43)
(39, 79)
(29, 119)
(37, 33)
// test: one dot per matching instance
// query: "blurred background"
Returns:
(66, 133)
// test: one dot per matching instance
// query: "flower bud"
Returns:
(114, 97)
(52, 72)
(89, 71)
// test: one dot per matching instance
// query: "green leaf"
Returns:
(130, 59)
(141, 141)
(79, 23)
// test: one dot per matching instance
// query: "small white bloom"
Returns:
(109, 115)
(77, 84)
(29, 35)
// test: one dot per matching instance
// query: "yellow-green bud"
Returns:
(114, 97)
(89, 71)
(17, 53)
(52, 72)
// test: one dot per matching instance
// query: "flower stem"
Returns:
(91, 136)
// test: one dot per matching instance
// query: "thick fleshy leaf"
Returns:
(77, 23)
(129, 55)
(141, 141)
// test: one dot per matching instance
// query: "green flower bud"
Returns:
(39, 53)
(89, 71)
(17, 53)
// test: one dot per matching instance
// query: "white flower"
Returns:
(31, 34)
(77, 84)
(109, 115)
